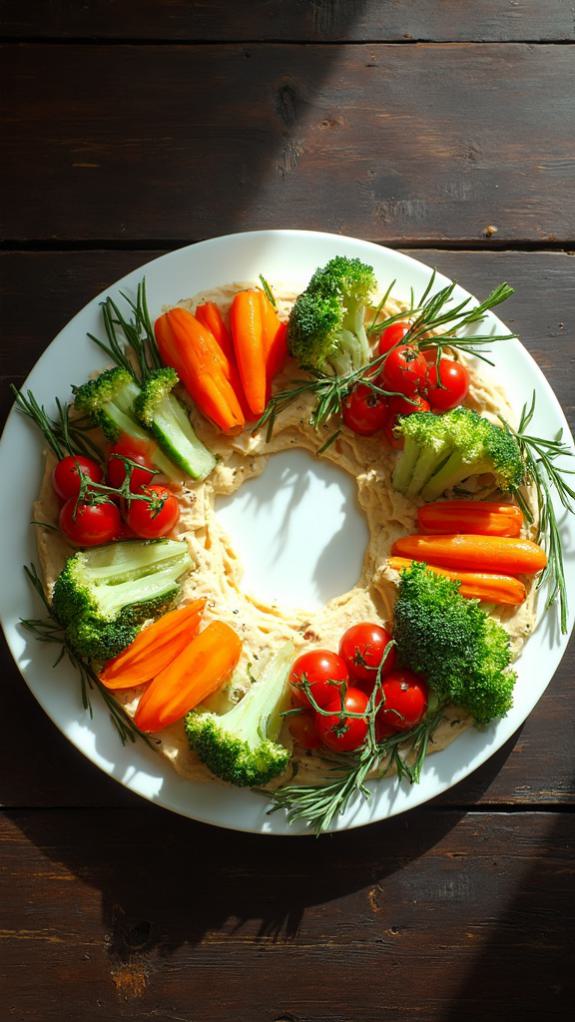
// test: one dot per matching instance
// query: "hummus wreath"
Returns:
(144, 589)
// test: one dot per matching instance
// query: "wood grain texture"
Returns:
(293, 20)
(385, 142)
(118, 910)
(538, 767)
(140, 915)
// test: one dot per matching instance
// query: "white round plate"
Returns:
(290, 257)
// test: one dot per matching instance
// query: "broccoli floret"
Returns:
(463, 653)
(95, 639)
(109, 401)
(241, 746)
(104, 593)
(326, 328)
(161, 412)
(441, 451)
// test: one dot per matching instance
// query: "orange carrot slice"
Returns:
(145, 669)
(479, 585)
(186, 345)
(209, 315)
(486, 518)
(247, 336)
(160, 630)
(474, 553)
(203, 667)
(154, 648)
(274, 337)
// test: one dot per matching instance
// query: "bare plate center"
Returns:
(298, 530)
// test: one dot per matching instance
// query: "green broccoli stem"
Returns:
(172, 429)
(353, 352)
(127, 425)
(405, 465)
(251, 721)
(430, 462)
(452, 472)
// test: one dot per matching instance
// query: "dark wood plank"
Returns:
(294, 20)
(143, 916)
(538, 767)
(401, 143)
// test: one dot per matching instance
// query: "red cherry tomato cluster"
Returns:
(341, 683)
(103, 518)
(414, 375)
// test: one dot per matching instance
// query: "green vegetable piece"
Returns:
(463, 653)
(241, 746)
(103, 594)
(442, 451)
(109, 401)
(326, 327)
(168, 421)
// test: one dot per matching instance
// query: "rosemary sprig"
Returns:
(329, 392)
(431, 315)
(540, 457)
(268, 291)
(138, 335)
(49, 629)
(91, 492)
(64, 436)
(318, 806)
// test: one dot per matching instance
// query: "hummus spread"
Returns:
(217, 576)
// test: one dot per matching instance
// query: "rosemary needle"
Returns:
(540, 457)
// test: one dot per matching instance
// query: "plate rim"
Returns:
(343, 822)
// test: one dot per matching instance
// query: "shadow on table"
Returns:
(524, 966)
(166, 881)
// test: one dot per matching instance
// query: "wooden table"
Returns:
(136, 127)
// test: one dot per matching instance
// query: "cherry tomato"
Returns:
(391, 336)
(364, 410)
(148, 523)
(66, 478)
(429, 354)
(362, 648)
(454, 379)
(404, 370)
(404, 700)
(303, 729)
(344, 735)
(401, 406)
(91, 524)
(136, 451)
(320, 668)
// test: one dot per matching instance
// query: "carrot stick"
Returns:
(201, 365)
(247, 336)
(147, 667)
(203, 666)
(479, 585)
(182, 620)
(474, 553)
(275, 338)
(487, 518)
(209, 315)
